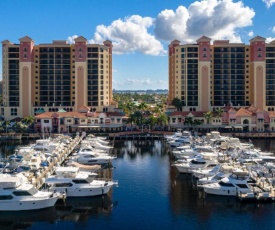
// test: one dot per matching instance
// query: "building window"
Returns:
(13, 112)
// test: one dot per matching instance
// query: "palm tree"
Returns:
(219, 112)
(6, 124)
(197, 122)
(162, 119)
(28, 120)
(130, 107)
(188, 121)
(20, 127)
(158, 109)
(151, 121)
(177, 103)
(208, 116)
(143, 106)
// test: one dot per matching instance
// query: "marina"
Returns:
(152, 189)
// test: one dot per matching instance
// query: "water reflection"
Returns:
(191, 203)
(151, 194)
(139, 147)
(73, 209)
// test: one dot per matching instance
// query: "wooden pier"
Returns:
(38, 179)
(139, 135)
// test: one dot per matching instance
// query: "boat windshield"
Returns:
(83, 181)
(242, 185)
(197, 162)
(221, 183)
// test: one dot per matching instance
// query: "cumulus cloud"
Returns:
(218, 19)
(250, 33)
(130, 35)
(269, 3)
(273, 29)
(70, 39)
(269, 39)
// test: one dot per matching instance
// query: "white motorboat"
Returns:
(88, 168)
(208, 172)
(187, 152)
(224, 171)
(237, 182)
(78, 183)
(195, 163)
(92, 158)
(173, 136)
(17, 195)
(183, 140)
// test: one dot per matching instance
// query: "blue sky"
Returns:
(140, 30)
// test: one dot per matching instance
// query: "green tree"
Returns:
(28, 120)
(208, 116)
(219, 112)
(142, 106)
(162, 119)
(20, 127)
(177, 103)
(188, 121)
(5, 125)
(151, 121)
(158, 109)
(129, 108)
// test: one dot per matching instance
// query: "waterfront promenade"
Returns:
(145, 134)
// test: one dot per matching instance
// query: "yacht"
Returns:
(237, 182)
(195, 163)
(208, 172)
(77, 183)
(92, 158)
(16, 195)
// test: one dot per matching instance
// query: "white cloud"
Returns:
(250, 33)
(269, 3)
(130, 35)
(218, 19)
(71, 39)
(273, 29)
(269, 39)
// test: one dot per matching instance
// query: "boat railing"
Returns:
(107, 180)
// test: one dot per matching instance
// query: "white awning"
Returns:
(228, 127)
(238, 127)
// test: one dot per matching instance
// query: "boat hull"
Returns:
(27, 204)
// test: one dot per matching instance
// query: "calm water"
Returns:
(151, 195)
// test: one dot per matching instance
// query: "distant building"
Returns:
(149, 91)
(248, 119)
(48, 77)
(83, 120)
(205, 76)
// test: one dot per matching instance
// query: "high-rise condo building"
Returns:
(48, 77)
(207, 75)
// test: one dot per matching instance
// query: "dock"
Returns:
(39, 178)
(139, 135)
